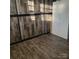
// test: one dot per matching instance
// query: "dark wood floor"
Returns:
(47, 46)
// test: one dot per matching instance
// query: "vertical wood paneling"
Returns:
(36, 10)
(28, 26)
(42, 19)
(42, 16)
(45, 23)
(13, 7)
(21, 6)
(30, 9)
(14, 30)
(25, 22)
(45, 18)
(38, 17)
(49, 18)
(25, 26)
(34, 29)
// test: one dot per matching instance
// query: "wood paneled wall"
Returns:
(23, 27)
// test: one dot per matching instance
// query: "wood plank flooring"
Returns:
(47, 46)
